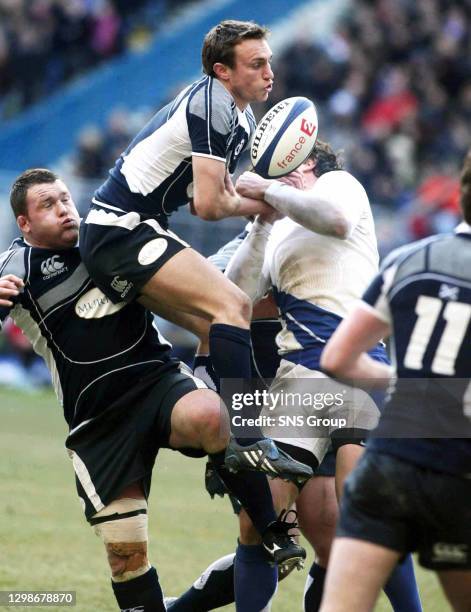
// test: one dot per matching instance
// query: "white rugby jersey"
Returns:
(316, 279)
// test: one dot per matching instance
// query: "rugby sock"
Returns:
(142, 593)
(213, 589)
(251, 489)
(229, 347)
(255, 581)
(314, 588)
(230, 350)
(401, 588)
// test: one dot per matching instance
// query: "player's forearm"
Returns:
(250, 207)
(245, 267)
(318, 215)
(235, 206)
(218, 207)
(362, 371)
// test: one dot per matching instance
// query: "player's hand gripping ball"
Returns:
(284, 138)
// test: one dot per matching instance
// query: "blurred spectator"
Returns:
(44, 43)
(393, 90)
(20, 366)
(90, 159)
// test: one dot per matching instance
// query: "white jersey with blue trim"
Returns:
(317, 279)
(154, 175)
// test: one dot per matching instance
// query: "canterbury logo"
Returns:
(51, 265)
(123, 287)
(138, 609)
(307, 127)
(119, 285)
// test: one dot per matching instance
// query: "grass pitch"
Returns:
(46, 544)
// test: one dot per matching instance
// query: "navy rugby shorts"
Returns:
(123, 250)
(407, 508)
(120, 446)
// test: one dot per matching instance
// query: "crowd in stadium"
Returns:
(395, 87)
(302, 283)
(45, 43)
(401, 127)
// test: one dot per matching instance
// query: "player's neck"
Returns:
(239, 102)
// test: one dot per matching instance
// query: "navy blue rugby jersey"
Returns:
(154, 175)
(94, 349)
(424, 293)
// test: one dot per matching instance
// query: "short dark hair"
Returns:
(19, 189)
(465, 196)
(325, 158)
(219, 42)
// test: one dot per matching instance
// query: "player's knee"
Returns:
(122, 525)
(235, 309)
(212, 421)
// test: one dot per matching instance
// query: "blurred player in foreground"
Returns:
(317, 272)
(411, 490)
(123, 395)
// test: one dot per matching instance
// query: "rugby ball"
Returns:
(284, 138)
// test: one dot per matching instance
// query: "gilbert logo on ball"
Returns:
(284, 137)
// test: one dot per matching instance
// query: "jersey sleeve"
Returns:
(11, 262)
(222, 257)
(210, 121)
(376, 296)
(343, 189)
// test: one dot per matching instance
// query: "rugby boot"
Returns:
(264, 456)
(281, 547)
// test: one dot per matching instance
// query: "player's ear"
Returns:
(221, 71)
(23, 224)
(310, 163)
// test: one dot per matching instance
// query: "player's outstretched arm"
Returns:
(10, 287)
(344, 355)
(324, 211)
(214, 196)
(245, 268)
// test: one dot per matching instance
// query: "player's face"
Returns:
(251, 78)
(51, 220)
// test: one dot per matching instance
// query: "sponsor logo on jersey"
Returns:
(52, 267)
(308, 127)
(239, 147)
(151, 251)
(450, 553)
(122, 287)
(95, 304)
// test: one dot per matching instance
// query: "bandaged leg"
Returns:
(123, 527)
